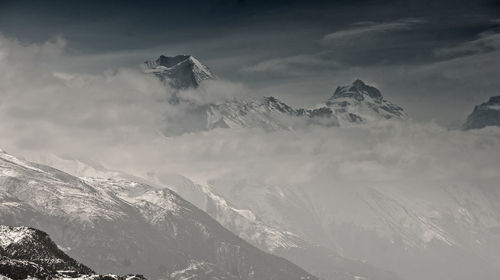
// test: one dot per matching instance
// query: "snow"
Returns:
(9, 235)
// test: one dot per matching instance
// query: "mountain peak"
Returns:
(359, 102)
(180, 71)
(486, 114)
(494, 100)
(358, 83)
(358, 90)
(169, 61)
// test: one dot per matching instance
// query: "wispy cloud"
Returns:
(370, 28)
(486, 42)
(293, 65)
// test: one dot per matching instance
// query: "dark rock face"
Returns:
(180, 72)
(486, 114)
(357, 91)
(28, 252)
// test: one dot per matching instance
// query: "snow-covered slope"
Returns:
(267, 113)
(272, 238)
(429, 232)
(486, 114)
(120, 226)
(360, 102)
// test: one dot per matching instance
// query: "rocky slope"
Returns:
(486, 114)
(121, 226)
(30, 253)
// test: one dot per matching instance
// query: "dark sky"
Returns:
(435, 58)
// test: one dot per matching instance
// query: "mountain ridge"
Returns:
(355, 103)
(117, 225)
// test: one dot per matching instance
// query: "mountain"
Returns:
(121, 226)
(360, 102)
(486, 114)
(180, 72)
(271, 238)
(267, 113)
(355, 103)
(437, 232)
(30, 253)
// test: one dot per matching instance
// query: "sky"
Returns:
(436, 59)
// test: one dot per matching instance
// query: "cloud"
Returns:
(360, 43)
(116, 118)
(45, 108)
(369, 29)
(293, 65)
(487, 41)
(215, 91)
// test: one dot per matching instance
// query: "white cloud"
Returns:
(369, 29)
(292, 65)
(115, 118)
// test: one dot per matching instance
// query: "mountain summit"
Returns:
(180, 71)
(359, 102)
(486, 114)
(358, 89)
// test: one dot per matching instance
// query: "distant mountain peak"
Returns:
(169, 61)
(359, 102)
(358, 89)
(494, 100)
(180, 71)
(486, 114)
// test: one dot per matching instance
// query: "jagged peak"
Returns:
(357, 89)
(494, 100)
(169, 61)
(180, 71)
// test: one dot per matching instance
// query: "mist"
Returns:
(118, 118)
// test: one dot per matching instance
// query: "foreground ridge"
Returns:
(30, 253)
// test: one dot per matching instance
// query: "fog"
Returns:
(116, 119)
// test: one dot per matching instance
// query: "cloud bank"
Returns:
(117, 118)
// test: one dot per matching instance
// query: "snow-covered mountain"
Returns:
(267, 113)
(355, 103)
(429, 232)
(180, 72)
(243, 222)
(121, 226)
(486, 114)
(360, 102)
(30, 253)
